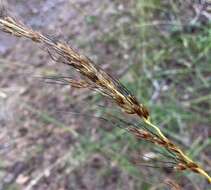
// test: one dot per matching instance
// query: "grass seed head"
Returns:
(99, 80)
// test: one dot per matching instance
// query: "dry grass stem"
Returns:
(97, 79)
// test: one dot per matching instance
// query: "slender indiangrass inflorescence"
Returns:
(97, 79)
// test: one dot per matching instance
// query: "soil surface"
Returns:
(36, 136)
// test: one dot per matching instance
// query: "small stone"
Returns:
(3, 95)
(22, 179)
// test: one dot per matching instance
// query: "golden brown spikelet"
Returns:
(103, 82)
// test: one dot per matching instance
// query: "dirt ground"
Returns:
(39, 134)
(35, 148)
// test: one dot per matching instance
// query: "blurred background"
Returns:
(51, 136)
